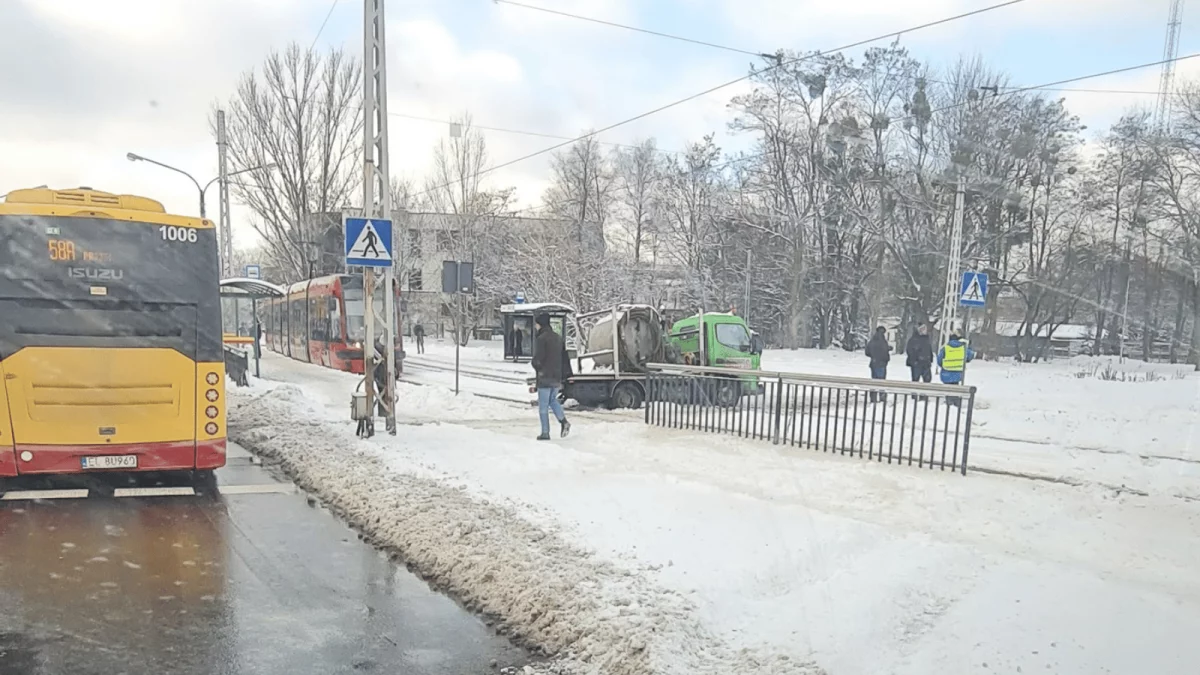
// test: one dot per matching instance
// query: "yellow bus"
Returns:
(110, 336)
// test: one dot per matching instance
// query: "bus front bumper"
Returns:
(169, 456)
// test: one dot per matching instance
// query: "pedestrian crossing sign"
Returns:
(369, 242)
(973, 292)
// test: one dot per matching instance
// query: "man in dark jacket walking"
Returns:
(920, 354)
(547, 362)
(880, 352)
(419, 334)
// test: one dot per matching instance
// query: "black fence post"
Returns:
(967, 433)
(778, 408)
(649, 396)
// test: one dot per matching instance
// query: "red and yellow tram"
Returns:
(321, 321)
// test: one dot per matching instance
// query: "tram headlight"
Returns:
(212, 395)
(212, 412)
(211, 428)
(212, 379)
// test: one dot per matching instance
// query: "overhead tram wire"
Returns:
(1051, 85)
(765, 55)
(780, 63)
(324, 23)
(522, 132)
(635, 29)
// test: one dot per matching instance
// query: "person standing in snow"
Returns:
(880, 353)
(953, 360)
(547, 362)
(516, 343)
(419, 334)
(920, 354)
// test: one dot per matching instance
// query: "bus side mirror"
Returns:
(756, 345)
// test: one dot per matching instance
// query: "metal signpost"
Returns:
(361, 248)
(457, 277)
(253, 272)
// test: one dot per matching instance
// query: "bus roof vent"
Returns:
(84, 197)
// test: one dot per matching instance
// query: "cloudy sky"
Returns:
(82, 82)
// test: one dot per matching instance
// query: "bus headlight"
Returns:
(211, 428)
(212, 395)
(212, 379)
(212, 412)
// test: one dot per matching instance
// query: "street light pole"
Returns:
(226, 250)
(138, 158)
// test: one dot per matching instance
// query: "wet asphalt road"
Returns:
(258, 582)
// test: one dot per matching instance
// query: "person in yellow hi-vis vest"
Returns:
(952, 359)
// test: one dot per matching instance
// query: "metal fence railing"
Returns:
(923, 425)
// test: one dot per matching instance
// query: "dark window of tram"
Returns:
(414, 280)
(318, 320)
(335, 320)
(298, 320)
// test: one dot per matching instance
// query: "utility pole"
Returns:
(746, 310)
(224, 223)
(377, 203)
(954, 262)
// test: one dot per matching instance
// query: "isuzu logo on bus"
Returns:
(95, 274)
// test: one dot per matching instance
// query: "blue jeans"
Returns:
(878, 374)
(547, 401)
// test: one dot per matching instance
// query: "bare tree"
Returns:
(639, 183)
(468, 217)
(301, 115)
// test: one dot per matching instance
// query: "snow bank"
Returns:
(598, 616)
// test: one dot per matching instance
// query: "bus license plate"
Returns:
(110, 462)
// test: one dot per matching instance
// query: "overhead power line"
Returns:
(730, 83)
(520, 132)
(635, 29)
(765, 55)
(1059, 83)
(324, 23)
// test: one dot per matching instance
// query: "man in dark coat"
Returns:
(920, 354)
(548, 361)
(880, 352)
(419, 334)
(516, 343)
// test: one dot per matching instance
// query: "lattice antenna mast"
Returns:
(1166, 83)
(377, 203)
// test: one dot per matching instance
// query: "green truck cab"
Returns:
(726, 342)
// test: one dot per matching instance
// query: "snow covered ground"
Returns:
(1054, 420)
(644, 550)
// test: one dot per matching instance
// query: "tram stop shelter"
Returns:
(240, 326)
(519, 331)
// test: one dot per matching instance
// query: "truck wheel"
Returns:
(728, 393)
(627, 395)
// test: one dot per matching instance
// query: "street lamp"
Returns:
(312, 252)
(203, 212)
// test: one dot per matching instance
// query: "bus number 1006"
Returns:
(184, 234)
